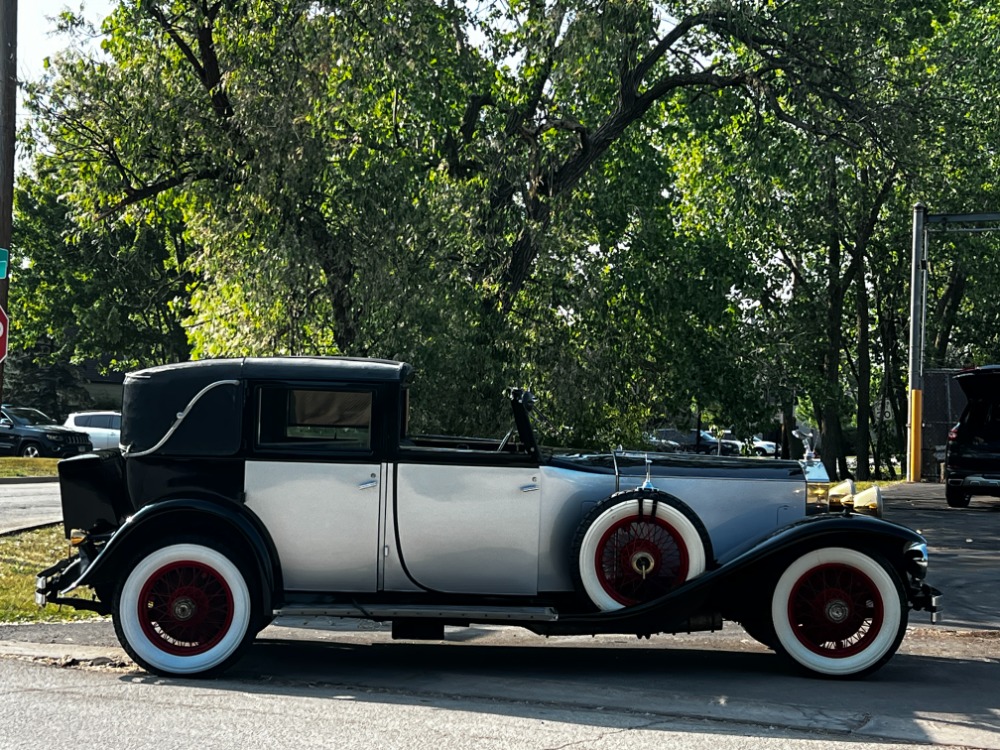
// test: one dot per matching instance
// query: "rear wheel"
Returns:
(839, 612)
(185, 609)
(957, 497)
(637, 546)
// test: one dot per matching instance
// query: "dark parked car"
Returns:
(253, 488)
(30, 433)
(706, 443)
(972, 459)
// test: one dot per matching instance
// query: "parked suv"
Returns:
(972, 460)
(104, 427)
(30, 433)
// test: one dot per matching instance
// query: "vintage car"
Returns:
(255, 488)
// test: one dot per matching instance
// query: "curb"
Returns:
(27, 480)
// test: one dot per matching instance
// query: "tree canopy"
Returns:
(639, 209)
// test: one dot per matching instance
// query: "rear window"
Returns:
(981, 420)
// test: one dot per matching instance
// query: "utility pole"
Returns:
(8, 131)
(917, 277)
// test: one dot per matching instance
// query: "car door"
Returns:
(315, 484)
(8, 440)
(98, 426)
(468, 525)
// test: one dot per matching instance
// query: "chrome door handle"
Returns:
(530, 488)
(368, 484)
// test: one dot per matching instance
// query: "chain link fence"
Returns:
(943, 405)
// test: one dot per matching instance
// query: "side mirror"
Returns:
(4, 422)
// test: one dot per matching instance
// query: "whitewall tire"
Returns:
(838, 612)
(184, 609)
(628, 556)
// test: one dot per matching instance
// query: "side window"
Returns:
(100, 420)
(116, 421)
(313, 419)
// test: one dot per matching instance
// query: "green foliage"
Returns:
(638, 209)
(21, 557)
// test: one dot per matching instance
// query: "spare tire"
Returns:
(636, 546)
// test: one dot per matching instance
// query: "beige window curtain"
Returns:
(330, 409)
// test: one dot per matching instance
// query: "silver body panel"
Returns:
(324, 519)
(468, 529)
(461, 529)
(734, 510)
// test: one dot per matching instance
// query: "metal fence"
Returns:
(942, 406)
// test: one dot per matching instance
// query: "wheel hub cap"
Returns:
(837, 611)
(184, 608)
(643, 563)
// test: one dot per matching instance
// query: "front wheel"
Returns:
(637, 546)
(30, 450)
(184, 609)
(839, 612)
(956, 497)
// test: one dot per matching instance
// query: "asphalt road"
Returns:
(26, 503)
(51, 709)
(964, 546)
(501, 687)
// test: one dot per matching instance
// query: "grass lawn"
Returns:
(28, 467)
(21, 557)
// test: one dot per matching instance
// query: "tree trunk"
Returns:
(947, 314)
(864, 372)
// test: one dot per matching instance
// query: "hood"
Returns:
(50, 428)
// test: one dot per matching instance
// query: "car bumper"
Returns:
(66, 451)
(975, 483)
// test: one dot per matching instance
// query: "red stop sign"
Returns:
(4, 320)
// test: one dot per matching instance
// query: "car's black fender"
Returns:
(721, 587)
(230, 521)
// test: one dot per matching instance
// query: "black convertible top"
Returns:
(212, 391)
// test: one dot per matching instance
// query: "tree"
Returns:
(527, 192)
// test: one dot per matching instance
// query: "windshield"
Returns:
(27, 416)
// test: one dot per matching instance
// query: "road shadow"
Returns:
(660, 684)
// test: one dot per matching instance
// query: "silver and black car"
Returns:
(255, 488)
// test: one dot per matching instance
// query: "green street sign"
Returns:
(4, 258)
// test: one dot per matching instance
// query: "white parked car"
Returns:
(763, 447)
(104, 427)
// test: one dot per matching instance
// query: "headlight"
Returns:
(817, 500)
(916, 560)
(54, 437)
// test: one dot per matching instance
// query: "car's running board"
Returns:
(383, 612)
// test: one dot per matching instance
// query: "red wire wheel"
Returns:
(185, 608)
(639, 559)
(836, 610)
(637, 546)
(839, 612)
